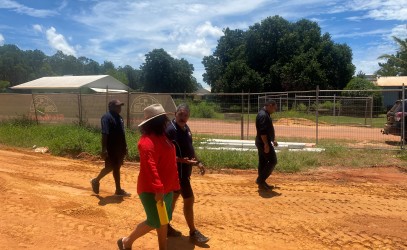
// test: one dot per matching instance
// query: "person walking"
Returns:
(157, 178)
(114, 147)
(180, 134)
(265, 143)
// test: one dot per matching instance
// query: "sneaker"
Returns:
(172, 232)
(198, 237)
(269, 186)
(95, 186)
(263, 186)
(122, 192)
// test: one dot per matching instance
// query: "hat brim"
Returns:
(149, 119)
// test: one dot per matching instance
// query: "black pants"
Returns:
(267, 163)
(184, 175)
(112, 163)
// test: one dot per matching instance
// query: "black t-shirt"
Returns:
(113, 127)
(182, 139)
(264, 126)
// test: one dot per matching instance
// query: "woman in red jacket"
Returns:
(158, 176)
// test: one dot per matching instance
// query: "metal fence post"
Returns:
(242, 119)
(248, 115)
(35, 108)
(107, 97)
(316, 114)
(403, 121)
(80, 107)
(128, 107)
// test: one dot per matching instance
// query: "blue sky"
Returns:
(124, 31)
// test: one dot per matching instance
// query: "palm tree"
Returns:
(397, 62)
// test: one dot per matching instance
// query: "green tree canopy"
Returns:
(163, 74)
(395, 64)
(285, 56)
(359, 83)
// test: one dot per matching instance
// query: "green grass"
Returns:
(62, 140)
(70, 140)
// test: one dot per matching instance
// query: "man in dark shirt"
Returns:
(180, 134)
(114, 146)
(265, 143)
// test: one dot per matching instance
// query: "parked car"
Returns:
(395, 119)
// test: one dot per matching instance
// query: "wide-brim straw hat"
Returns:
(152, 112)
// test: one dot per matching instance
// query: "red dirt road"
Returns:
(47, 203)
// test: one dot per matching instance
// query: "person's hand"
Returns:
(201, 168)
(159, 196)
(192, 161)
(266, 148)
(104, 154)
(275, 143)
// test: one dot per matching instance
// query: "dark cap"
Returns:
(116, 102)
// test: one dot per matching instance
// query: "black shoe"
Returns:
(172, 232)
(198, 237)
(269, 186)
(95, 186)
(121, 192)
(263, 187)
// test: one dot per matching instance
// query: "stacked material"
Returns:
(248, 145)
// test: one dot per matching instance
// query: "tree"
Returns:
(163, 74)
(285, 56)
(239, 77)
(358, 83)
(133, 76)
(395, 64)
(4, 86)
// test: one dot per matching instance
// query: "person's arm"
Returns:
(104, 146)
(265, 143)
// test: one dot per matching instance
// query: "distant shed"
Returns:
(69, 84)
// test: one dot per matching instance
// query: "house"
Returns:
(392, 88)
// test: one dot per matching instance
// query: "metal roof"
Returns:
(391, 81)
(73, 82)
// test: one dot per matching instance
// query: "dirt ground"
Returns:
(300, 128)
(47, 203)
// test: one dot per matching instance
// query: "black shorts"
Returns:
(184, 175)
(113, 162)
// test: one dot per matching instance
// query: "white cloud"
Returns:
(58, 42)
(208, 30)
(37, 28)
(22, 9)
(400, 31)
(377, 9)
(198, 48)
(362, 33)
(1, 39)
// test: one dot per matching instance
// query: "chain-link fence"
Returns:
(350, 118)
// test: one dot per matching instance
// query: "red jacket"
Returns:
(158, 167)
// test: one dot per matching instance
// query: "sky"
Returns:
(124, 31)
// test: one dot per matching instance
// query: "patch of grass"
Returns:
(70, 140)
(291, 162)
(61, 139)
(218, 159)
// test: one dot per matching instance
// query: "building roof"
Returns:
(391, 81)
(73, 82)
(202, 91)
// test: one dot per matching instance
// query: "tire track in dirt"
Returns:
(51, 198)
(309, 205)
